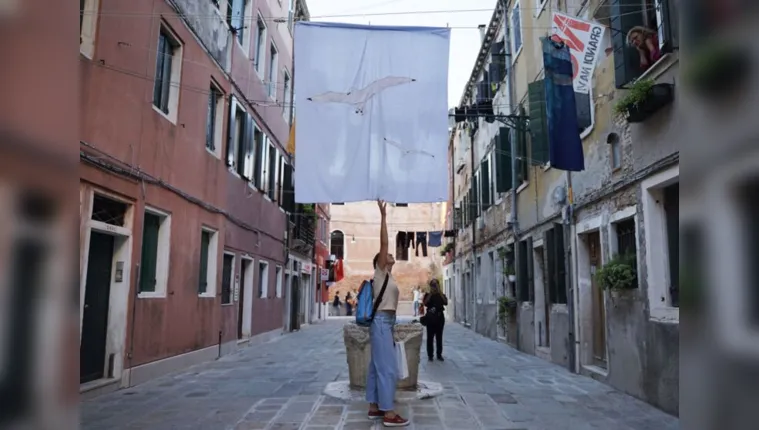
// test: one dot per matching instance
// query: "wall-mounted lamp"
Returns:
(353, 239)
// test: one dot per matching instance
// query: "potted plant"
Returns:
(446, 249)
(506, 306)
(618, 275)
(309, 210)
(716, 68)
(510, 274)
(643, 99)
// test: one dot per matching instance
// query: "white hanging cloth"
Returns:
(372, 105)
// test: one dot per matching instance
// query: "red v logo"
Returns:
(565, 26)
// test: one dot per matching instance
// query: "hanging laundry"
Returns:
(421, 240)
(410, 238)
(354, 127)
(401, 246)
(565, 145)
(436, 239)
(338, 270)
(450, 233)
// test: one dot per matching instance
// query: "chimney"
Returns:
(483, 30)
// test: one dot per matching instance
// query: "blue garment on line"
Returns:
(565, 145)
(436, 239)
(382, 375)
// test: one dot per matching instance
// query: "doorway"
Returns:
(598, 304)
(245, 301)
(92, 350)
(295, 304)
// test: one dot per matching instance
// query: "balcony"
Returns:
(303, 225)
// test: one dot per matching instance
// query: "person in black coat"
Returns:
(435, 302)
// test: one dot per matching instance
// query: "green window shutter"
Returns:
(477, 199)
(465, 210)
(530, 272)
(550, 265)
(484, 190)
(205, 241)
(538, 122)
(503, 182)
(148, 260)
(624, 15)
(561, 271)
(523, 162)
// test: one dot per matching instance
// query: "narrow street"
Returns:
(278, 385)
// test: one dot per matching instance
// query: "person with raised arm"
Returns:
(382, 375)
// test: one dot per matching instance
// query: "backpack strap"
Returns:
(379, 298)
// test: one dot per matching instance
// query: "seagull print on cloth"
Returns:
(407, 151)
(358, 98)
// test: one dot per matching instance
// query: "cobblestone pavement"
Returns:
(278, 385)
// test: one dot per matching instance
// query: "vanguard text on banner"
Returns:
(372, 113)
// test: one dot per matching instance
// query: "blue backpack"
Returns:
(365, 306)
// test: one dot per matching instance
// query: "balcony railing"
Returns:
(304, 226)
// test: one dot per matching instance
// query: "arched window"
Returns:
(337, 244)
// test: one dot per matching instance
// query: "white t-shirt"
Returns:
(390, 299)
(417, 296)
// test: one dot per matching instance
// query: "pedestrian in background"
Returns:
(348, 303)
(336, 305)
(435, 302)
(417, 300)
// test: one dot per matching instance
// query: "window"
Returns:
(288, 193)
(263, 154)
(516, 30)
(503, 180)
(154, 260)
(286, 98)
(290, 15)
(337, 244)
(240, 147)
(272, 76)
(523, 156)
(271, 182)
(88, 15)
(237, 10)
(281, 180)
(641, 22)
(263, 279)
(214, 120)
(540, 5)
(615, 147)
(260, 45)
(167, 73)
(259, 142)
(524, 270)
(227, 269)
(485, 184)
(209, 242)
(279, 281)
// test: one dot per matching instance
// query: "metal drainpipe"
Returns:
(474, 243)
(513, 139)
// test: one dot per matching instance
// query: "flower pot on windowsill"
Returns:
(659, 96)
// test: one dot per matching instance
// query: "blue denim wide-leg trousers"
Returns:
(382, 375)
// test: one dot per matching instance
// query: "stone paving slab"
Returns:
(279, 385)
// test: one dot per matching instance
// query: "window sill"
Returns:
(546, 167)
(516, 56)
(665, 315)
(658, 68)
(227, 304)
(151, 295)
(213, 152)
(522, 187)
(207, 296)
(163, 114)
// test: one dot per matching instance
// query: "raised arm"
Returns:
(382, 260)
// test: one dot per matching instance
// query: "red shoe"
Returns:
(396, 421)
(375, 415)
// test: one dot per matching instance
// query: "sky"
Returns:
(465, 42)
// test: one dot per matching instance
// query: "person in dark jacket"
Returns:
(348, 303)
(435, 302)
(336, 305)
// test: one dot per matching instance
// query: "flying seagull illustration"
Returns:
(358, 98)
(407, 151)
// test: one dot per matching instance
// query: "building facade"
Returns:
(184, 182)
(532, 237)
(354, 238)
